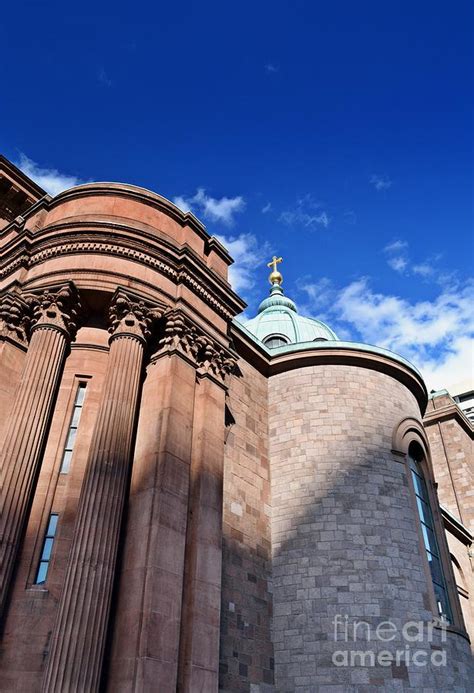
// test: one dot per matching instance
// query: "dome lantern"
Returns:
(278, 322)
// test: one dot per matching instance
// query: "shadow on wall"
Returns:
(246, 650)
(346, 550)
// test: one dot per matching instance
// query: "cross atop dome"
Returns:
(275, 276)
(278, 318)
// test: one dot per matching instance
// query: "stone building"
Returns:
(194, 504)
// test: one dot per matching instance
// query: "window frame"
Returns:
(276, 335)
(46, 537)
(81, 384)
(410, 432)
(427, 525)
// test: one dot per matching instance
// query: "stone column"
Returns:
(200, 623)
(181, 423)
(54, 315)
(77, 646)
(145, 649)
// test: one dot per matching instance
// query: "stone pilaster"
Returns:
(52, 326)
(78, 641)
(145, 651)
(200, 623)
(147, 626)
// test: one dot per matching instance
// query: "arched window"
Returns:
(275, 340)
(415, 458)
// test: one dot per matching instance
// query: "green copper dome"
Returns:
(278, 322)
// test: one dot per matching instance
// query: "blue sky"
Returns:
(338, 135)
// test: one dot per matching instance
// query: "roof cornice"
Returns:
(455, 527)
(33, 189)
(274, 361)
(449, 411)
(180, 262)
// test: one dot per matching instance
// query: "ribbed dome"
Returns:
(278, 322)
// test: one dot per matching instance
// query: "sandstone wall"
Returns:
(453, 462)
(344, 531)
(246, 650)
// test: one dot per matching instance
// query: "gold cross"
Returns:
(274, 262)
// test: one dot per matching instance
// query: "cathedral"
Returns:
(195, 503)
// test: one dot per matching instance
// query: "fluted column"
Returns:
(200, 623)
(78, 641)
(144, 654)
(53, 323)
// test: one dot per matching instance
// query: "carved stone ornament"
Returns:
(131, 317)
(179, 334)
(210, 358)
(14, 318)
(57, 308)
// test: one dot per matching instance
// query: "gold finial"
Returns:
(275, 276)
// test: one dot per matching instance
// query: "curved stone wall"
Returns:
(345, 539)
(106, 234)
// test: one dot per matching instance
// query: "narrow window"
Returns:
(46, 550)
(71, 436)
(429, 538)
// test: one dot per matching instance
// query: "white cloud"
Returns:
(320, 293)
(52, 180)
(247, 254)
(398, 263)
(395, 246)
(218, 210)
(306, 213)
(267, 208)
(424, 269)
(183, 203)
(436, 335)
(380, 182)
(271, 67)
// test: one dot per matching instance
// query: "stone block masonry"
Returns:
(344, 533)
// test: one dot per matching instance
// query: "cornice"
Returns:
(449, 411)
(19, 222)
(213, 244)
(304, 356)
(455, 527)
(17, 175)
(181, 264)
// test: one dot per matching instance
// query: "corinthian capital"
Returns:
(185, 337)
(131, 317)
(14, 318)
(179, 335)
(213, 359)
(58, 308)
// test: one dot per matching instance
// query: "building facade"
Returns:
(190, 503)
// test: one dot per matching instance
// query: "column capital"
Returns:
(15, 315)
(57, 307)
(181, 335)
(131, 317)
(214, 360)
